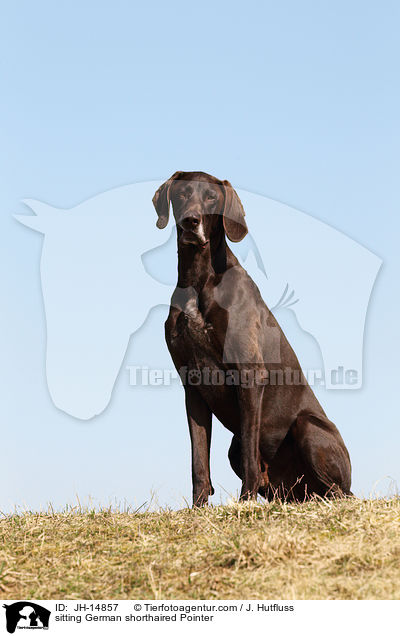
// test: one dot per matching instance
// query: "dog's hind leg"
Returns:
(324, 454)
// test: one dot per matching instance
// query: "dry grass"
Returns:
(347, 549)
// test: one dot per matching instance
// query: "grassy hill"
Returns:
(347, 549)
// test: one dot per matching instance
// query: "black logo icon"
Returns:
(26, 615)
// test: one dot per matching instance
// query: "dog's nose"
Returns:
(190, 222)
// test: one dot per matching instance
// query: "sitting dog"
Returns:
(234, 359)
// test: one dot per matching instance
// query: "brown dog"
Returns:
(219, 327)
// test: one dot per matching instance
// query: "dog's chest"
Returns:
(193, 339)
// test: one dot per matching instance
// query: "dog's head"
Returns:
(202, 204)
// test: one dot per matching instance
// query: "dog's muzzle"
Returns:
(192, 231)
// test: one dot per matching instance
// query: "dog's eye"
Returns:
(211, 197)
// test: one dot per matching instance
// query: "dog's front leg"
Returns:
(199, 420)
(250, 400)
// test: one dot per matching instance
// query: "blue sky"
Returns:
(295, 101)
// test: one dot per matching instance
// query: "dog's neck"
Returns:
(196, 265)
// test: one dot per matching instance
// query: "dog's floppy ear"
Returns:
(161, 201)
(233, 215)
